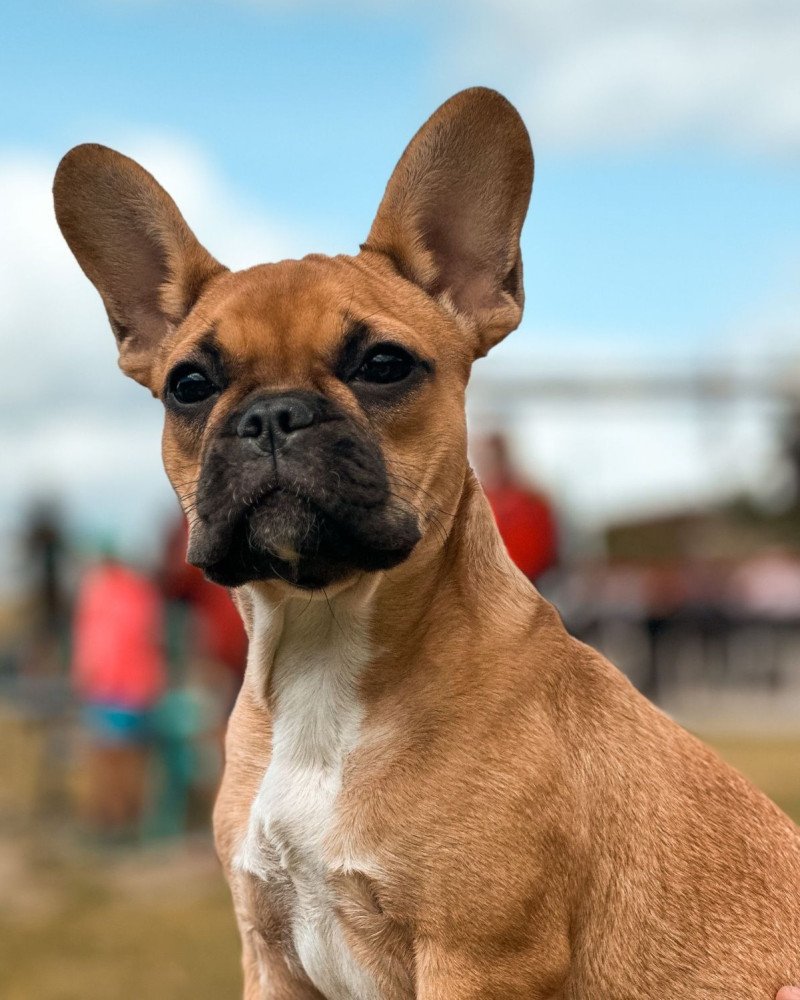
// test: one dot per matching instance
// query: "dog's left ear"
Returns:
(453, 210)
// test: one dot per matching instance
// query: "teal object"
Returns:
(177, 721)
(112, 725)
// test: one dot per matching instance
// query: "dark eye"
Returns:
(188, 386)
(384, 364)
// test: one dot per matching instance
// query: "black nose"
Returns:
(269, 422)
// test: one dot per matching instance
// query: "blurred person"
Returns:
(45, 551)
(217, 633)
(207, 648)
(524, 515)
(118, 672)
(188, 722)
(44, 649)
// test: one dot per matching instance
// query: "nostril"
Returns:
(251, 425)
(294, 417)
(285, 421)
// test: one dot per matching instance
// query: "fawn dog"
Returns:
(431, 790)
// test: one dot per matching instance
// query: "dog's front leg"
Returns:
(443, 974)
(267, 973)
(268, 977)
(450, 987)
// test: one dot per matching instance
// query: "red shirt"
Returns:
(527, 526)
(117, 656)
(220, 633)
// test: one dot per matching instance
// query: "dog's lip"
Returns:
(225, 560)
(210, 547)
(211, 543)
(214, 553)
(227, 576)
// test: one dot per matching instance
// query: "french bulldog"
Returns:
(431, 789)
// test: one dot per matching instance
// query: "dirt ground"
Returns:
(76, 924)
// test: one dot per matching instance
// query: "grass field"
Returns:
(773, 765)
(159, 925)
(156, 927)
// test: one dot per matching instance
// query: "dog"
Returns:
(431, 789)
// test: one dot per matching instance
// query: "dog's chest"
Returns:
(291, 844)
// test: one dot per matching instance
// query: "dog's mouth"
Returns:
(287, 536)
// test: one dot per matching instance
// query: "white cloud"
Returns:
(611, 72)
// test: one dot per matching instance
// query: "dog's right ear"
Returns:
(134, 246)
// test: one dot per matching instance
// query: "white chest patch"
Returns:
(317, 661)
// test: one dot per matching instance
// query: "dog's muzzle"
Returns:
(293, 488)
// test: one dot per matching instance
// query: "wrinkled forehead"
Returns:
(280, 322)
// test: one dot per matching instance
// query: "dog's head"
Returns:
(315, 408)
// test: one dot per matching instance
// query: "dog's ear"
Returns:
(451, 217)
(134, 246)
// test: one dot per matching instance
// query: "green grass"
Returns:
(97, 939)
(771, 764)
(93, 927)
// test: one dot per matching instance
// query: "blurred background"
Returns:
(639, 436)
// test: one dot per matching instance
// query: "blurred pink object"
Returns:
(768, 584)
(117, 655)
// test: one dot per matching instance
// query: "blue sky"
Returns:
(303, 108)
(665, 222)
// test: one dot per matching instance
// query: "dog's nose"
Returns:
(269, 422)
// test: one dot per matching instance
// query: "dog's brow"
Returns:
(209, 344)
(209, 349)
(357, 337)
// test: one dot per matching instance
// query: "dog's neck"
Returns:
(388, 616)
(285, 628)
